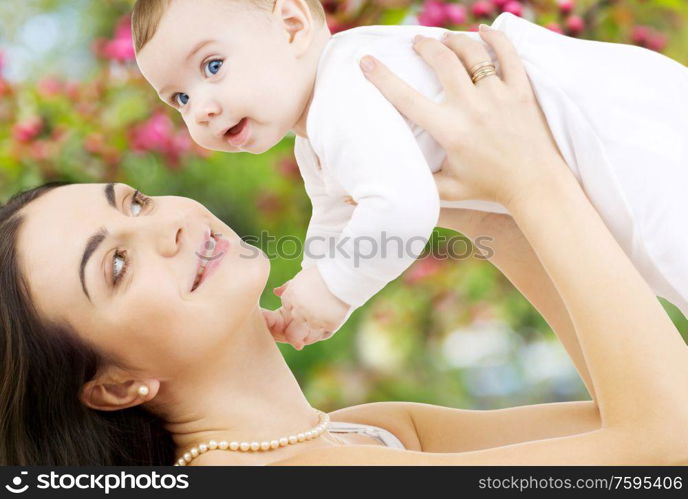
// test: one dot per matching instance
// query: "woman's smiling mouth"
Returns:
(212, 252)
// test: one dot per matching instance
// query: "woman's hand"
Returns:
(497, 140)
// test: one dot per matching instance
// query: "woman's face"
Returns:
(133, 299)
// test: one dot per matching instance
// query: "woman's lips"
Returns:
(239, 134)
(221, 245)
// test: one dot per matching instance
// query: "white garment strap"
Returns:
(384, 436)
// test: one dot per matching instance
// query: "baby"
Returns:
(244, 73)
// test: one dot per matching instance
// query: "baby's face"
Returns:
(230, 70)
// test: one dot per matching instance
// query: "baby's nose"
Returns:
(207, 111)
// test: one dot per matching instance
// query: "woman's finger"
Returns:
(510, 62)
(448, 67)
(406, 99)
(471, 53)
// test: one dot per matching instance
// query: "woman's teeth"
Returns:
(209, 250)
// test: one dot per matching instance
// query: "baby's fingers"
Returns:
(276, 322)
(406, 99)
(296, 332)
(318, 335)
(280, 289)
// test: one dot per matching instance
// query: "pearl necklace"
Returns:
(266, 445)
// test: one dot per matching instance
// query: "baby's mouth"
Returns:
(236, 129)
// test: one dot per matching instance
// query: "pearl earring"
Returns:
(143, 390)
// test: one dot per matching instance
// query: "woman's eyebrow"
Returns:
(94, 241)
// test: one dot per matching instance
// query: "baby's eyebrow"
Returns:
(196, 48)
(163, 91)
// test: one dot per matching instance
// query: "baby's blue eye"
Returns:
(213, 66)
(180, 98)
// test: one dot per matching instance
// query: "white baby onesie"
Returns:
(618, 113)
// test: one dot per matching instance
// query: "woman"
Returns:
(112, 358)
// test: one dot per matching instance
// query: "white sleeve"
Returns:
(327, 217)
(371, 152)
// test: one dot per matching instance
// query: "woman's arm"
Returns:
(543, 434)
(642, 396)
(433, 428)
(515, 258)
(637, 359)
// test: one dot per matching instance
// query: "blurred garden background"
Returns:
(73, 106)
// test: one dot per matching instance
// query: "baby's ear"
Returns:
(297, 20)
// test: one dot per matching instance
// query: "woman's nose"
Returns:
(168, 234)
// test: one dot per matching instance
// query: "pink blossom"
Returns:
(421, 269)
(123, 29)
(657, 41)
(181, 143)
(49, 86)
(41, 150)
(27, 130)
(72, 89)
(121, 47)
(456, 14)
(640, 34)
(268, 202)
(288, 167)
(566, 6)
(433, 13)
(153, 135)
(94, 143)
(336, 25)
(500, 3)
(575, 24)
(4, 87)
(514, 8)
(158, 134)
(482, 8)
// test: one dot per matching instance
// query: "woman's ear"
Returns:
(297, 20)
(109, 393)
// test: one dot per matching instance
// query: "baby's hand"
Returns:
(286, 329)
(277, 323)
(311, 312)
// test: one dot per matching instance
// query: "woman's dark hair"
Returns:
(44, 365)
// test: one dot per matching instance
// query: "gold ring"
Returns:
(478, 66)
(483, 73)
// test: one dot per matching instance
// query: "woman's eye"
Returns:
(180, 98)
(119, 266)
(140, 201)
(213, 67)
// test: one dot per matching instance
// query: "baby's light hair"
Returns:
(146, 16)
